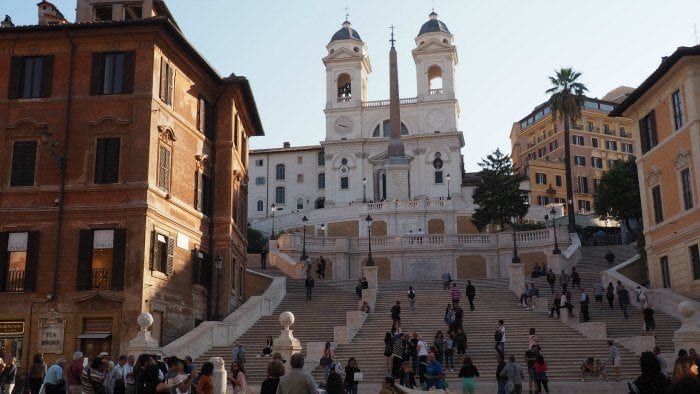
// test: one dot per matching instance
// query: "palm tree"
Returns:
(565, 104)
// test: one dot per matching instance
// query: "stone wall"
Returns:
(471, 267)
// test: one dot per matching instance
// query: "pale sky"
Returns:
(506, 49)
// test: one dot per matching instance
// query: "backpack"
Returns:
(240, 357)
(498, 336)
(411, 294)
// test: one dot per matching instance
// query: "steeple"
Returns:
(396, 148)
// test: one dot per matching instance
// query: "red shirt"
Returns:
(455, 293)
(73, 373)
(205, 385)
(540, 367)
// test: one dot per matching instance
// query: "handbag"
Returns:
(325, 361)
(358, 376)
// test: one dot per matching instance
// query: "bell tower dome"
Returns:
(347, 68)
(436, 57)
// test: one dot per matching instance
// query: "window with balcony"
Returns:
(580, 161)
(658, 204)
(101, 257)
(112, 73)
(611, 145)
(23, 163)
(280, 172)
(677, 109)
(627, 148)
(19, 257)
(540, 178)
(30, 76)
(647, 132)
(687, 189)
(606, 129)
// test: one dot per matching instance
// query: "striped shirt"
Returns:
(91, 379)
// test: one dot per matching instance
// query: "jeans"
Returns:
(502, 386)
(624, 306)
(471, 302)
(610, 301)
(308, 293)
(541, 383)
(551, 286)
(449, 359)
(352, 388)
(501, 347)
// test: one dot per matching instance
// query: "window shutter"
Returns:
(31, 269)
(23, 163)
(96, 73)
(654, 139)
(201, 114)
(15, 71)
(171, 84)
(129, 72)
(643, 137)
(154, 251)
(3, 260)
(198, 194)
(84, 279)
(46, 76)
(206, 195)
(207, 270)
(118, 259)
(100, 160)
(195, 266)
(171, 256)
(163, 88)
(111, 160)
(210, 121)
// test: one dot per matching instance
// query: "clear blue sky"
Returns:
(507, 48)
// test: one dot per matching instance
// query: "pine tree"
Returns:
(498, 195)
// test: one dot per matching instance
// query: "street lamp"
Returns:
(370, 262)
(448, 187)
(218, 262)
(364, 190)
(323, 228)
(273, 208)
(304, 220)
(516, 259)
(556, 250)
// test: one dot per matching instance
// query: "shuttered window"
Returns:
(198, 191)
(201, 268)
(203, 196)
(107, 160)
(112, 73)
(106, 278)
(13, 276)
(647, 132)
(162, 253)
(30, 76)
(164, 169)
(202, 114)
(23, 163)
(167, 82)
(658, 204)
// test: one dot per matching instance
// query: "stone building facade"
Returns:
(665, 112)
(124, 180)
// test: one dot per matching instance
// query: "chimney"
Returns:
(50, 15)
(7, 22)
(286, 144)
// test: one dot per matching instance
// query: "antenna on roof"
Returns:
(392, 40)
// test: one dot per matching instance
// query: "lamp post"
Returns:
(364, 190)
(448, 187)
(556, 250)
(323, 228)
(218, 262)
(370, 262)
(304, 220)
(516, 259)
(273, 208)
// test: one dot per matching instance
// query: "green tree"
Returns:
(565, 104)
(498, 195)
(617, 195)
(256, 241)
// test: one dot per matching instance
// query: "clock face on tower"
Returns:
(343, 125)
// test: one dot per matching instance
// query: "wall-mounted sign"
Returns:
(103, 239)
(17, 242)
(97, 325)
(51, 332)
(11, 327)
(183, 241)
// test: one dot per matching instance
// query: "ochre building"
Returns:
(123, 182)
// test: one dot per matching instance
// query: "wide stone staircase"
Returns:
(563, 347)
(589, 266)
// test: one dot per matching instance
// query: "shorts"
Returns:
(531, 373)
(599, 298)
(648, 326)
(617, 362)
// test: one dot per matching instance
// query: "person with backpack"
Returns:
(551, 279)
(513, 372)
(396, 313)
(500, 337)
(585, 300)
(446, 279)
(471, 293)
(411, 295)
(238, 354)
(575, 279)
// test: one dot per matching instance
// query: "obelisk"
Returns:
(397, 166)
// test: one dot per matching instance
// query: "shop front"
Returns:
(11, 339)
(96, 337)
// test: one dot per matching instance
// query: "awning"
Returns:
(95, 335)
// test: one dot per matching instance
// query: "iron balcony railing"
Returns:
(102, 278)
(15, 280)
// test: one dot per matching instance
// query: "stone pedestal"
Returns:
(286, 344)
(370, 273)
(219, 375)
(143, 342)
(369, 295)
(516, 274)
(689, 334)
(397, 181)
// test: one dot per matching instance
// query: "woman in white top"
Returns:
(237, 378)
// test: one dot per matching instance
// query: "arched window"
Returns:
(434, 80)
(279, 172)
(322, 180)
(259, 206)
(344, 88)
(320, 203)
(386, 129)
(280, 195)
(321, 158)
(300, 203)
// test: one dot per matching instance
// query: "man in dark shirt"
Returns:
(471, 293)
(624, 296)
(531, 357)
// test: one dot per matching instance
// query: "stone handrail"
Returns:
(226, 332)
(665, 300)
(571, 255)
(283, 262)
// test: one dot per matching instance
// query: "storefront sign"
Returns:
(103, 239)
(17, 242)
(97, 325)
(51, 332)
(11, 327)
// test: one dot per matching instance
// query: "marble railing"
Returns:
(409, 205)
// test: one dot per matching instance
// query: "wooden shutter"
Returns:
(111, 160)
(195, 266)
(198, 193)
(129, 72)
(84, 279)
(100, 160)
(201, 114)
(118, 259)
(46, 76)
(171, 84)
(31, 269)
(170, 262)
(154, 251)
(3, 260)
(207, 268)
(653, 136)
(210, 121)
(97, 73)
(163, 87)
(15, 72)
(206, 195)
(23, 163)
(643, 138)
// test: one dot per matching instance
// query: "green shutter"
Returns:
(154, 251)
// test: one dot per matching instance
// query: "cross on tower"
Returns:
(392, 40)
(347, 14)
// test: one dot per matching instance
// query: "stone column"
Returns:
(516, 273)
(219, 375)
(143, 342)
(286, 344)
(689, 334)
(370, 273)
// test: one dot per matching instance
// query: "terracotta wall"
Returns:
(471, 267)
(436, 226)
(343, 229)
(465, 226)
